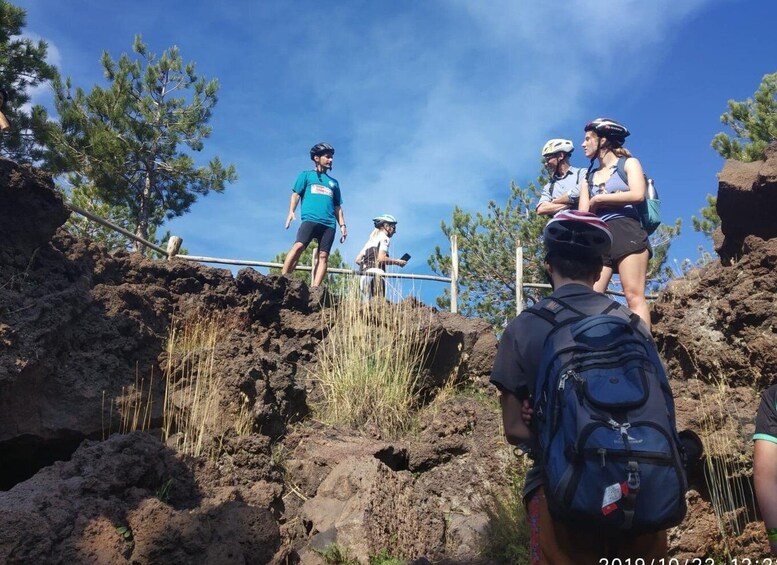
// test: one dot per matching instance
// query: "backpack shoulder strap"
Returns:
(577, 181)
(547, 311)
(620, 167)
(551, 308)
(634, 319)
(589, 178)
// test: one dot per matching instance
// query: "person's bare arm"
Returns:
(292, 207)
(384, 259)
(584, 203)
(513, 414)
(550, 208)
(765, 481)
(341, 222)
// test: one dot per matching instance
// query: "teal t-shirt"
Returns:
(320, 195)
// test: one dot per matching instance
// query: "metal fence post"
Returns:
(313, 263)
(518, 277)
(454, 274)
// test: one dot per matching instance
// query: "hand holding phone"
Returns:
(405, 257)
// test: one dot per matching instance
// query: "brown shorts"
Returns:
(628, 238)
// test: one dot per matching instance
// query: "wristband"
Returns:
(342, 226)
(771, 534)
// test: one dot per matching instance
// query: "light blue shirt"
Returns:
(569, 183)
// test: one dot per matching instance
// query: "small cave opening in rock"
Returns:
(395, 459)
(24, 456)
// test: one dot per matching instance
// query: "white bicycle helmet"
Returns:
(383, 219)
(577, 233)
(557, 145)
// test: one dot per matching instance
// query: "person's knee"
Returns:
(323, 256)
(634, 296)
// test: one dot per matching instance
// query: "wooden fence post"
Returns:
(313, 263)
(454, 274)
(173, 246)
(518, 277)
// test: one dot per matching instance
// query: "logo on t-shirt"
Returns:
(321, 189)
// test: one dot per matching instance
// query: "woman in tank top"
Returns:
(614, 200)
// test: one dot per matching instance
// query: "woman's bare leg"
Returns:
(633, 273)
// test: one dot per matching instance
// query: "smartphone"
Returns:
(405, 257)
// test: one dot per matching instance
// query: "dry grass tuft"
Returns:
(133, 405)
(507, 536)
(370, 363)
(731, 493)
(193, 412)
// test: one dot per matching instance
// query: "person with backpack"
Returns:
(615, 200)
(321, 211)
(374, 256)
(583, 389)
(563, 190)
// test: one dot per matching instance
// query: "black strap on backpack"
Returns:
(553, 305)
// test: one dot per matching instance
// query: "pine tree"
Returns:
(754, 122)
(487, 246)
(129, 140)
(709, 220)
(23, 66)
(659, 273)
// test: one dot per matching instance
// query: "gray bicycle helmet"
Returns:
(556, 146)
(383, 219)
(320, 149)
(577, 234)
(612, 130)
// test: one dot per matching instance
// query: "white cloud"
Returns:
(436, 115)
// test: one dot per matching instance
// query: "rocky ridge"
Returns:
(79, 324)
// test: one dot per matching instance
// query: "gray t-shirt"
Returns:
(569, 183)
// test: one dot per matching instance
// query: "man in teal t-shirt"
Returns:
(321, 211)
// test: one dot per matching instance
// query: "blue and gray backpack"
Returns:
(604, 419)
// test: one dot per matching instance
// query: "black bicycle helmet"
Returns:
(320, 149)
(612, 130)
(577, 234)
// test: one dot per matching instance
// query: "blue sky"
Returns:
(430, 104)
